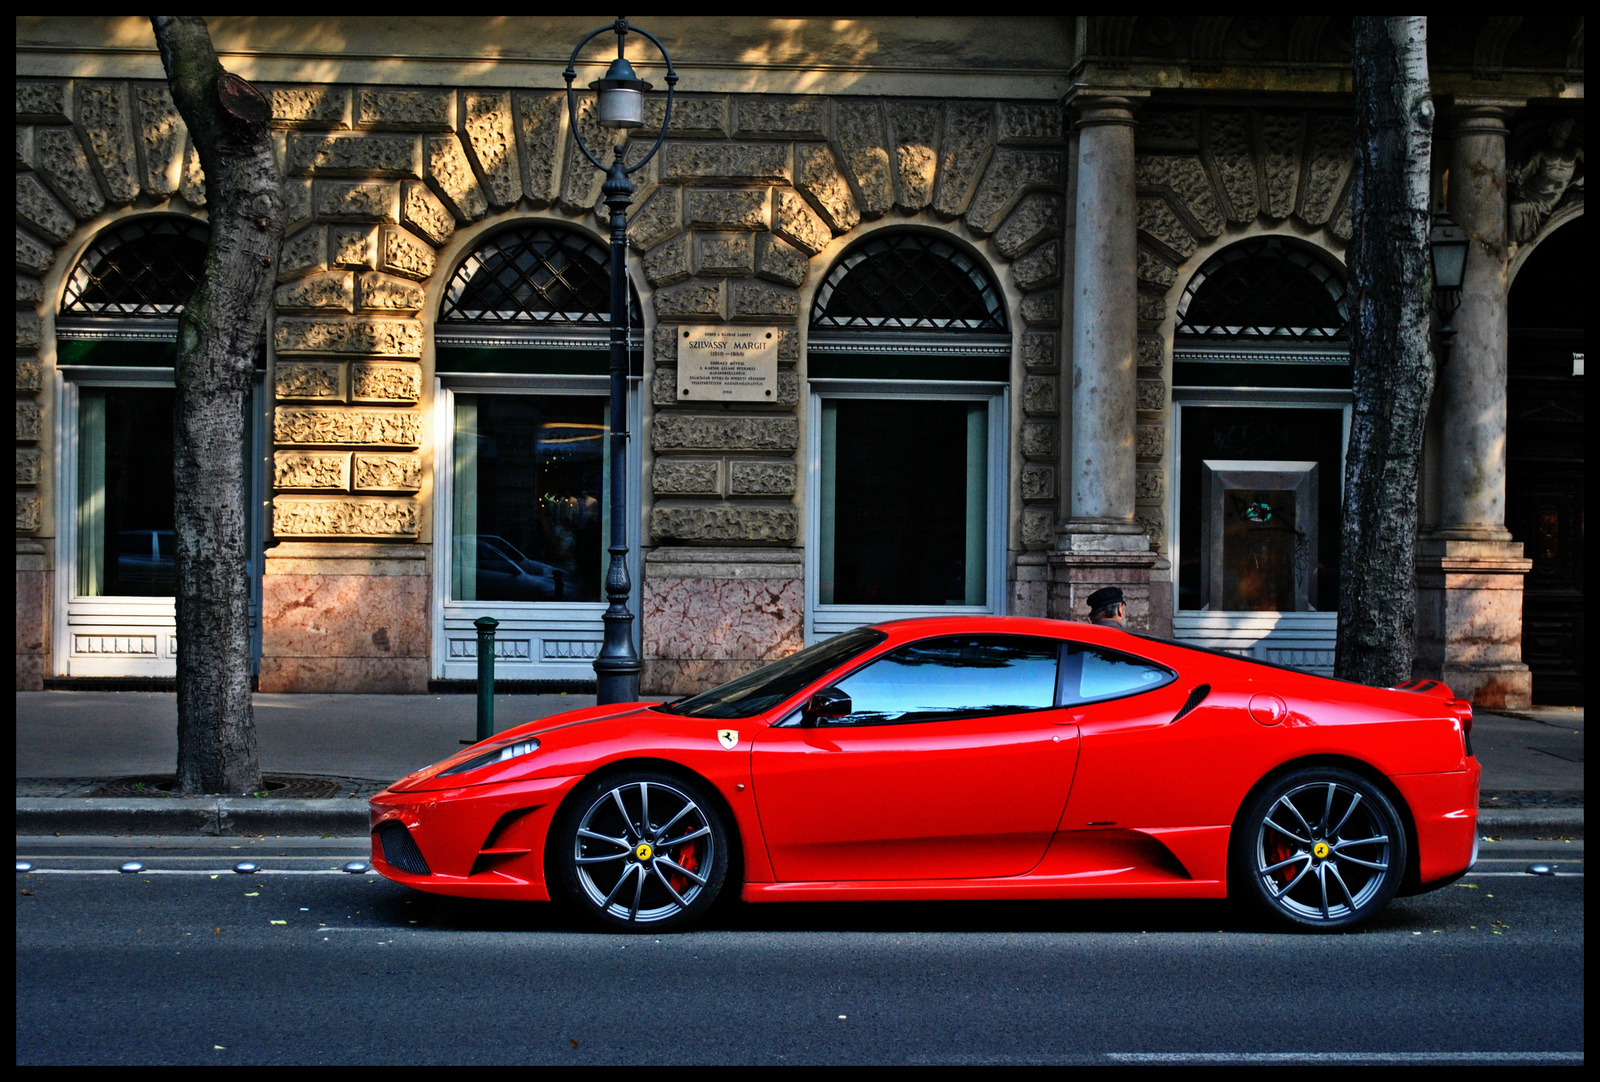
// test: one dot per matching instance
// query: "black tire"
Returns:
(642, 851)
(1320, 849)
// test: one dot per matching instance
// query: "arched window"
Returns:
(144, 268)
(909, 357)
(1265, 290)
(538, 275)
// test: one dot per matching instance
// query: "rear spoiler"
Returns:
(1435, 689)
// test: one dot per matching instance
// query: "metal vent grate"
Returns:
(1266, 288)
(535, 275)
(909, 281)
(145, 268)
(400, 849)
(1196, 697)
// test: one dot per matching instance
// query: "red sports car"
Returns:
(987, 757)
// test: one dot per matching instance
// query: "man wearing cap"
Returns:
(1106, 607)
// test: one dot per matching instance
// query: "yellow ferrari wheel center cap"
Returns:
(644, 852)
(1320, 850)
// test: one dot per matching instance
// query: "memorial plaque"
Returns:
(718, 363)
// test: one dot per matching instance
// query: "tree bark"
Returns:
(217, 346)
(1390, 349)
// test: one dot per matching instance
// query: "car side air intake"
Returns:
(1196, 697)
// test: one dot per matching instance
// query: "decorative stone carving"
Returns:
(1038, 482)
(685, 477)
(351, 154)
(379, 291)
(788, 347)
(27, 420)
(394, 428)
(453, 179)
(788, 389)
(1186, 179)
(353, 246)
(1153, 521)
(541, 128)
(357, 201)
(764, 115)
(581, 185)
(779, 262)
(402, 253)
(324, 107)
(299, 516)
(725, 253)
(306, 252)
(1149, 485)
(759, 300)
(1153, 270)
(1152, 307)
(59, 156)
(1330, 158)
(487, 127)
(1341, 226)
(397, 109)
(701, 117)
(1156, 220)
(1163, 129)
(1150, 441)
(30, 375)
(727, 161)
(1150, 352)
(817, 175)
(38, 209)
(1030, 124)
(762, 478)
(388, 473)
(659, 217)
(105, 117)
(1038, 527)
(858, 126)
(795, 221)
(1039, 396)
(669, 262)
(1040, 267)
(1549, 176)
(1039, 439)
(725, 208)
(692, 432)
(421, 211)
(964, 151)
(42, 102)
(725, 523)
(1152, 394)
(1010, 174)
(914, 133)
(28, 330)
(664, 384)
(310, 471)
(308, 381)
(28, 465)
(1282, 137)
(1036, 218)
(694, 300)
(1042, 309)
(27, 511)
(385, 383)
(296, 204)
(1040, 351)
(1228, 141)
(321, 291)
(379, 337)
(192, 181)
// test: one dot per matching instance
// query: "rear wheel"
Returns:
(642, 851)
(1321, 849)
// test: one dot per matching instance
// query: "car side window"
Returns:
(1092, 674)
(956, 677)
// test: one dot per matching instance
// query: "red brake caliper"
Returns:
(686, 860)
(1278, 850)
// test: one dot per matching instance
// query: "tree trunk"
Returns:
(217, 346)
(1389, 347)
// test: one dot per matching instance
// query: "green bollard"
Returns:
(485, 626)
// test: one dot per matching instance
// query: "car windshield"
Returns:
(768, 686)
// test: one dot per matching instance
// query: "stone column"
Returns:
(1469, 571)
(1101, 544)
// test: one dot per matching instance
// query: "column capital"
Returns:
(1097, 105)
(1472, 115)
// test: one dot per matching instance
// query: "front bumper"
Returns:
(478, 841)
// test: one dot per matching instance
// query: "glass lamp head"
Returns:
(1447, 245)
(621, 95)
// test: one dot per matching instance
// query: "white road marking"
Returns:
(1343, 1058)
(1526, 875)
(193, 871)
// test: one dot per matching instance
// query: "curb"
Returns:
(344, 817)
(213, 816)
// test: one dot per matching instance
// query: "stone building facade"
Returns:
(1087, 175)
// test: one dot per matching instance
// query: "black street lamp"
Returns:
(1447, 247)
(621, 105)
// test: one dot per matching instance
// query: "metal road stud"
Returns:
(356, 867)
(1541, 869)
(246, 867)
(131, 866)
(24, 866)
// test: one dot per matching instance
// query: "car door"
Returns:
(953, 764)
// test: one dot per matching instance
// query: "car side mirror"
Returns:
(827, 703)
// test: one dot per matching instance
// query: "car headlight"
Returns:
(493, 755)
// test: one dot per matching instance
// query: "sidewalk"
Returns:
(70, 743)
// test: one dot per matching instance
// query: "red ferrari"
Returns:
(948, 758)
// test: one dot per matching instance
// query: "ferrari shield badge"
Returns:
(728, 737)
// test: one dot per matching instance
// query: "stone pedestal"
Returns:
(712, 614)
(339, 617)
(35, 583)
(1094, 560)
(1469, 620)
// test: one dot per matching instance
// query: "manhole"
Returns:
(277, 786)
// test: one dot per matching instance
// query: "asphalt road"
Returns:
(188, 962)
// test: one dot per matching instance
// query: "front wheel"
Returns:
(640, 852)
(1320, 849)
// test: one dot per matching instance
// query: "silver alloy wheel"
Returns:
(1323, 851)
(642, 852)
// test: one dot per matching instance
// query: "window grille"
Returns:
(908, 281)
(145, 268)
(535, 274)
(1265, 289)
